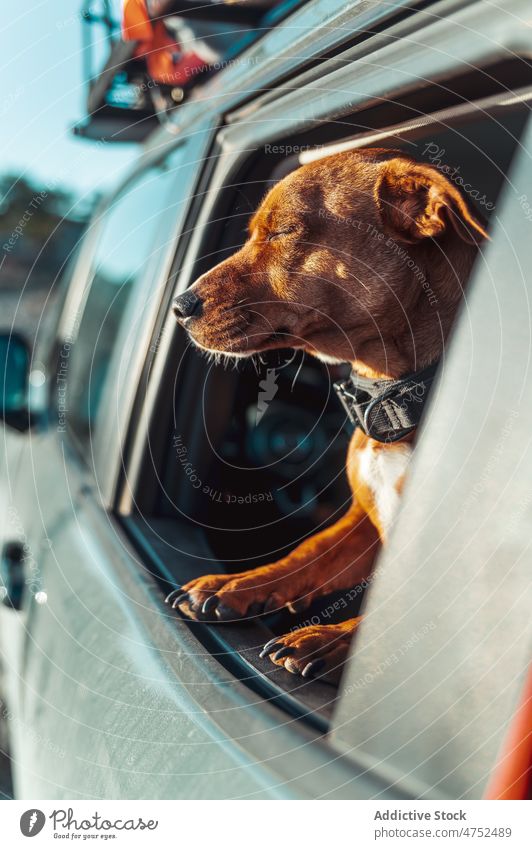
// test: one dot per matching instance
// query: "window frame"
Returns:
(240, 137)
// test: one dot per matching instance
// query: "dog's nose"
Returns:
(186, 305)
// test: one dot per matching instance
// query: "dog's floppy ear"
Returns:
(417, 202)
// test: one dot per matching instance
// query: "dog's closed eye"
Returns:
(278, 234)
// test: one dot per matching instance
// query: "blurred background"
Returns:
(50, 179)
(84, 82)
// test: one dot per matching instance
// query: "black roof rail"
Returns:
(215, 12)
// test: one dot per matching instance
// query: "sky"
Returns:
(43, 95)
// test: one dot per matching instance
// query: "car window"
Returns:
(236, 485)
(127, 240)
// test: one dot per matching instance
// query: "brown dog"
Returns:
(359, 257)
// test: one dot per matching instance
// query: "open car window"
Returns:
(250, 461)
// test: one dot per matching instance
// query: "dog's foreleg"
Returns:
(338, 557)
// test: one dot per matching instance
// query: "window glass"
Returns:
(127, 242)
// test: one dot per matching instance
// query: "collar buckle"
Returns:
(386, 410)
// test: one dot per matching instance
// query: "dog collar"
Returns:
(386, 410)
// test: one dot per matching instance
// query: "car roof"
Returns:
(314, 29)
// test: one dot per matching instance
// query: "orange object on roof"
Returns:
(166, 61)
(136, 24)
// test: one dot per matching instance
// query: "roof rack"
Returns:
(141, 65)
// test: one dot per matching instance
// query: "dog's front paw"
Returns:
(224, 598)
(316, 651)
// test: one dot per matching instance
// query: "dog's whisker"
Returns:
(300, 366)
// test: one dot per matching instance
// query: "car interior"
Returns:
(230, 483)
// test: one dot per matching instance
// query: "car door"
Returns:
(90, 685)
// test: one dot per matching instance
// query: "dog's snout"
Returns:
(187, 305)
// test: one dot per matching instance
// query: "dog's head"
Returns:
(339, 252)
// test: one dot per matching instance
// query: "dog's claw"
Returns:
(271, 646)
(171, 594)
(226, 614)
(210, 605)
(178, 599)
(271, 643)
(314, 668)
(284, 652)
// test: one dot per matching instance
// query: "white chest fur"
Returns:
(382, 470)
